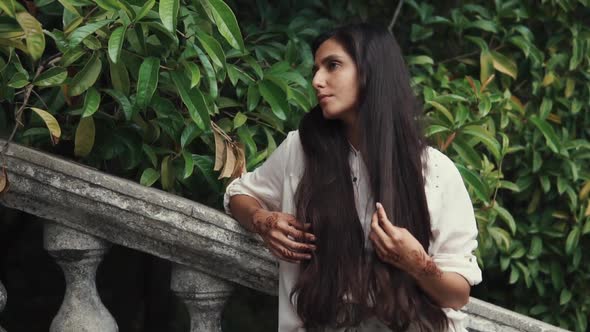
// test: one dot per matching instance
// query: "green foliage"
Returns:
(520, 137)
(152, 90)
(135, 86)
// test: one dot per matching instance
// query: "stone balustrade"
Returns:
(78, 254)
(86, 210)
(203, 295)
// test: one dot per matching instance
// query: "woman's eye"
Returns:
(333, 65)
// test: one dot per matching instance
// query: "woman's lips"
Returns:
(323, 98)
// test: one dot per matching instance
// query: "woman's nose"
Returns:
(318, 81)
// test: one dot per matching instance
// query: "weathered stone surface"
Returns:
(3, 299)
(171, 227)
(486, 317)
(145, 219)
(79, 255)
(204, 296)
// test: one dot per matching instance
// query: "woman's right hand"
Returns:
(275, 227)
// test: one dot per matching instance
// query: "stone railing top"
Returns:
(487, 317)
(168, 226)
(127, 213)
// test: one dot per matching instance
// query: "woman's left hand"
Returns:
(397, 246)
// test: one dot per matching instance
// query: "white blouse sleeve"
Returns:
(265, 183)
(454, 227)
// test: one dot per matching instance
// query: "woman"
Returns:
(374, 229)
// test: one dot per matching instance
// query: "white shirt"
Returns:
(454, 230)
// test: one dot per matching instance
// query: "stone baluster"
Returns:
(203, 295)
(79, 255)
(2, 301)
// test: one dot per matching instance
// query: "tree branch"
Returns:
(395, 15)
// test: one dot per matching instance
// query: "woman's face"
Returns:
(335, 81)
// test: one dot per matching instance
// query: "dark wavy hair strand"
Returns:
(336, 287)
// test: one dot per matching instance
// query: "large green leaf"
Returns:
(195, 73)
(209, 71)
(190, 132)
(51, 77)
(226, 22)
(144, 10)
(7, 6)
(91, 102)
(486, 63)
(147, 81)
(119, 77)
(86, 77)
(193, 99)
(578, 51)
(70, 8)
(33, 34)
(443, 110)
(189, 164)
(485, 137)
(239, 119)
(116, 43)
(167, 172)
(253, 96)
(169, 14)
(466, 152)
(480, 188)
(485, 25)
(553, 141)
(272, 144)
(299, 98)
(109, 5)
(72, 55)
(51, 124)
(82, 32)
(149, 177)
(123, 101)
(572, 240)
(565, 296)
(85, 134)
(245, 136)
(255, 65)
(435, 129)
(18, 81)
(546, 107)
(205, 165)
(275, 97)
(506, 217)
(213, 49)
(504, 64)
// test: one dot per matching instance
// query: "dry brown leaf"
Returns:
(240, 167)
(230, 162)
(4, 183)
(219, 151)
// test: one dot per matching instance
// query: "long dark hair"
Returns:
(342, 285)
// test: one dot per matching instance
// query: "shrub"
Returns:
(140, 92)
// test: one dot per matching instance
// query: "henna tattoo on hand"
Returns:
(263, 226)
(425, 266)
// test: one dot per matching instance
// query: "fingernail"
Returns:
(313, 248)
(379, 206)
(308, 256)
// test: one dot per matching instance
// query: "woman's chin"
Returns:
(329, 115)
